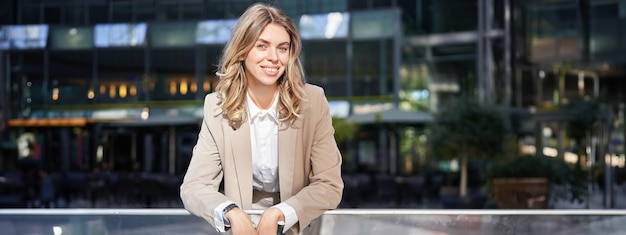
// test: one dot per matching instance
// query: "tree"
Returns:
(344, 129)
(344, 132)
(466, 129)
(581, 115)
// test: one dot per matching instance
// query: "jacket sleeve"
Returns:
(199, 191)
(325, 187)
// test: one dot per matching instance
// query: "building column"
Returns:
(172, 151)
(4, 97)
(538, 78)
(65, 138)
(383, 151)
(148, 152)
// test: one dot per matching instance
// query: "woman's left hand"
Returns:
(268, 225)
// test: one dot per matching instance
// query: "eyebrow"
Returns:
(267, 42)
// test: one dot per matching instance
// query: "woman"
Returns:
(266, 133)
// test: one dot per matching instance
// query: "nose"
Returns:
(272, 55)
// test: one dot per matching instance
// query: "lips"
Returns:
(270, 71)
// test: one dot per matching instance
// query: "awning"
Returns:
(158, 121)
(48, 122)
(167, 116)
(392, 116)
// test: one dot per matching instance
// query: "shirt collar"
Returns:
(254, 111)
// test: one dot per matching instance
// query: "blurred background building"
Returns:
(118, 85)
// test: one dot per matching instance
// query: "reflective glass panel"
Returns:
(342, 221)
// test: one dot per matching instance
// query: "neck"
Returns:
(262, 97)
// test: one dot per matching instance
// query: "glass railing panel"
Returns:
(341, 221)
(101, 222)
(469, 222)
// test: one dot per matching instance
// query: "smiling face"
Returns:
(265, 63)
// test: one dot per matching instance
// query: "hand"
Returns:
(268, 224)
(240, 223)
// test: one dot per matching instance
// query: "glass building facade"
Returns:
(122, 82)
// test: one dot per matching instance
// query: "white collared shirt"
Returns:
(264, 143)
(264, 140)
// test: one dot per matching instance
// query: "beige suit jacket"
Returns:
(308, 159)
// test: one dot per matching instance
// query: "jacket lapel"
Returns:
(242, 157)
(287, 141)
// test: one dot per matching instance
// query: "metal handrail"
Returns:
(177, 211)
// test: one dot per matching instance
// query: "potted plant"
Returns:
(465, 129)
(530, 182)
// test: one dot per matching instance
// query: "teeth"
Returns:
(271, 69)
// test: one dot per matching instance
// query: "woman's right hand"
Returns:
(240, 223)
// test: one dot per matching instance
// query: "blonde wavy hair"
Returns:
(231, 87)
